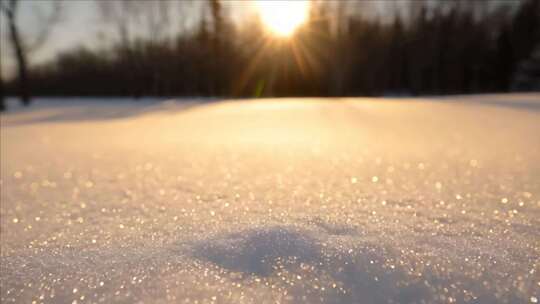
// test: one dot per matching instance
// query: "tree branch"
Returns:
(47, 27)
(6, 8)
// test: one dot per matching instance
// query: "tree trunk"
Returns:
(2, 102)
(21, 62)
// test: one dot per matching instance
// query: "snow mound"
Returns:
(275, 201)
(260, 251)
(315, 264)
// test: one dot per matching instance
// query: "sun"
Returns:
(283, 17)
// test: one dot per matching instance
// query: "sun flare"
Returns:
(283, 17)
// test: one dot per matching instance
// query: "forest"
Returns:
(427, 48)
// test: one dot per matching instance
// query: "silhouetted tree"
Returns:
(526, 29)
(21, 47)
(10, 9)
(2, 102)
(505, 59)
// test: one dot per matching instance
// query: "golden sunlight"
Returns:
(283, 17)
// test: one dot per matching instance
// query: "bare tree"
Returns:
(2, 104)
(119, 14)
(130, 20)
(340, 69)
(10, 9)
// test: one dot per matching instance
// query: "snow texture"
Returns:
(433, 200)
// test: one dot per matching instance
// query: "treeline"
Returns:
(441, 48)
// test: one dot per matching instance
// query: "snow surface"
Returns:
(272, 201)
